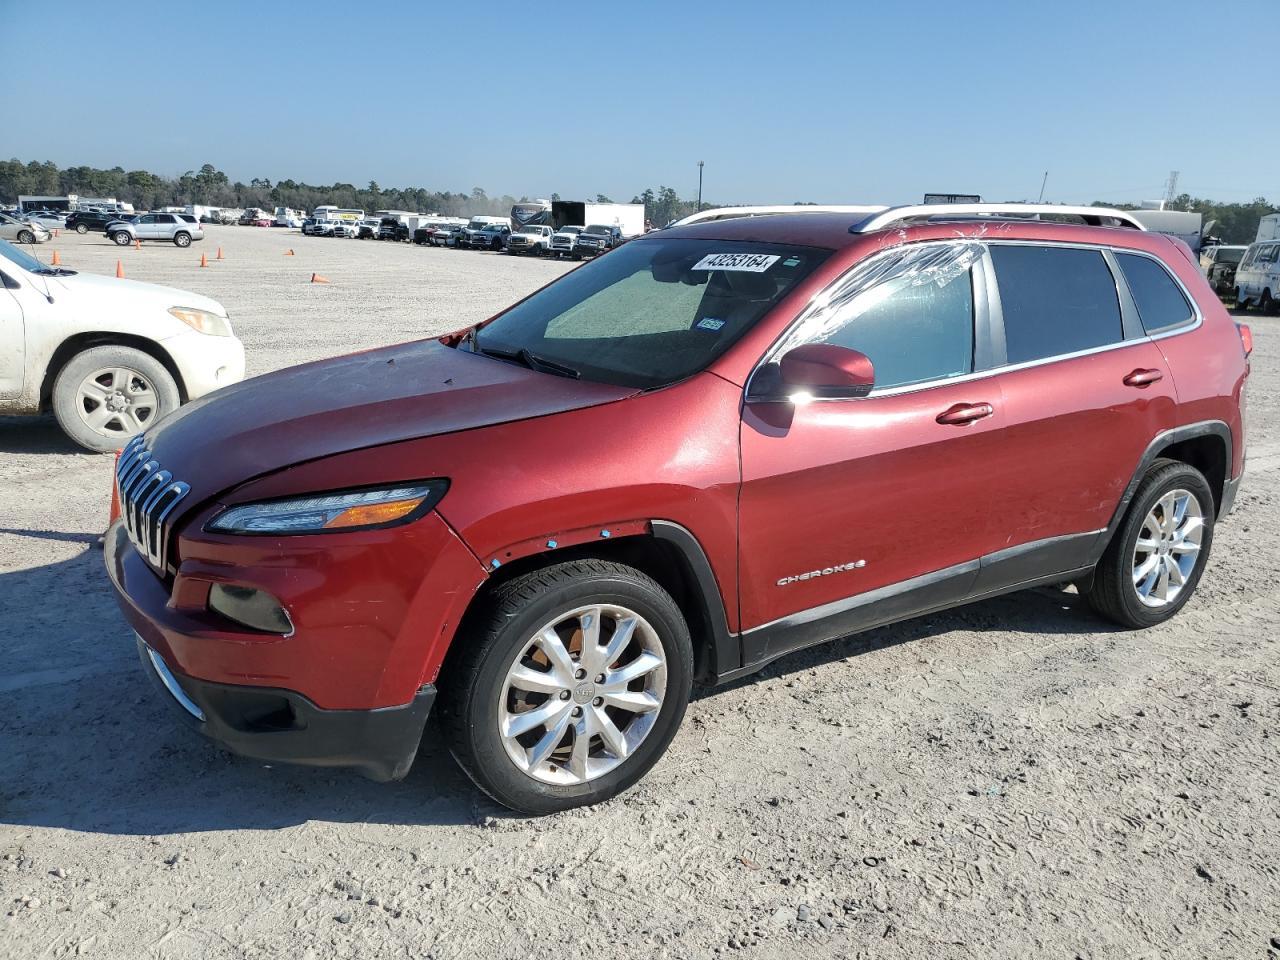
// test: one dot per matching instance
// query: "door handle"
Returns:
(1143, 378)
(961, 413)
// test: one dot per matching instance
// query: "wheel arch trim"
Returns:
(1162, 442)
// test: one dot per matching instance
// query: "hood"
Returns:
(94, 288)
(382, 396)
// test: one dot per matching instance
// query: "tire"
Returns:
(121, 238)
(26, 236)
(1115, 593)
(124, 371)
(82, 228)
(1265, 304)
(476, 692)
(181, 239)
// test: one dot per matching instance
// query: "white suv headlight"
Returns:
(202, 321)
(349, 510)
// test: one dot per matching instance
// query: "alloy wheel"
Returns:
(1167, 548)
(116, 402)
(582, 694)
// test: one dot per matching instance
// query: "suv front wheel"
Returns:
(105, 395)
(1154, 561)
(122, 238)
(570, 688)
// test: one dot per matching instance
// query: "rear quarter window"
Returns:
(1160, 302)
(1055, 300)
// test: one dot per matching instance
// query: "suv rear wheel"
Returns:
(1155, 559)
(572, 688)
(182, 239)
(105, 395)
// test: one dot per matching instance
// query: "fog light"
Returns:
(253, 608)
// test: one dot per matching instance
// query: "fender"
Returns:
(1162, 441)
(725, 645)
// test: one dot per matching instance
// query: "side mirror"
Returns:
(824, 371)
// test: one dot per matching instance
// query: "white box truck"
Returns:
(627, 217)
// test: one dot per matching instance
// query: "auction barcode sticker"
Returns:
(744, 262)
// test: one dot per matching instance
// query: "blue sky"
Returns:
(784, 101)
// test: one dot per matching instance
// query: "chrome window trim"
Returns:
(995, 312)
(1186, 326)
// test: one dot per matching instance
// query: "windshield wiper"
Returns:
(54, 272)
(529, 359)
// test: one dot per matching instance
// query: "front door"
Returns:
(856, 512)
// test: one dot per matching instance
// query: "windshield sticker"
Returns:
(791, 262)
(742, 262)
(710, 323)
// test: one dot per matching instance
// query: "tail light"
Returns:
(1246, 338)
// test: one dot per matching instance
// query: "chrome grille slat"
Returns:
(148, 496)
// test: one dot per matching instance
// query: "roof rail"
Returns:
(923, 213)
(733, 213)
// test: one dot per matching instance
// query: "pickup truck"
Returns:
(597, 239)
(563, 241)
(535, 239)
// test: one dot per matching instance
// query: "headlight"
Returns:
(202, 321)
(349, 510)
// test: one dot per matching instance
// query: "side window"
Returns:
(147, 219)
(1160, 303)
(1056, 301)
(911, 312)
(1269, 253)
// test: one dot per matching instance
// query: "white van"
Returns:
(1258, 277)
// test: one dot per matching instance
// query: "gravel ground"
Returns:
(1011, 779)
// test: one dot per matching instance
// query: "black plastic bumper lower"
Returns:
(282, 726)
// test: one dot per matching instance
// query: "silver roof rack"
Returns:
(733, 213)
(923, 213)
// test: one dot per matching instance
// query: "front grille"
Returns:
(148, 495)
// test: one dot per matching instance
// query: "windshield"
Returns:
(597, 230)
(1229, 256)
(570, 229)
(24, 260)
(652, 312)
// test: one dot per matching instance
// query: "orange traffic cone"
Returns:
(119, 270)
(113, 512)
(57, 260)
(219, 256)
(204, 260)
(137, 244)
(316, 278)
(289, 252)
(55, 233)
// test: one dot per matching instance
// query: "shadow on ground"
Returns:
(89, 745)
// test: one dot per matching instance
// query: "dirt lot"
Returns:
(1012, 779)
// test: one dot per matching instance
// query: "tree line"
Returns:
(1236, 222)
(209, 186)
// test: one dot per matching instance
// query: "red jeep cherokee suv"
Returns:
(712, 446)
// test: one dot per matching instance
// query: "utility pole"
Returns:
(1171, 190)
(1042, 183)
(699, 186)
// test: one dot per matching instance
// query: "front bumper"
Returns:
(206, 363)
(267, 723)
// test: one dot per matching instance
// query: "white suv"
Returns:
(109, 357)
(155, 226)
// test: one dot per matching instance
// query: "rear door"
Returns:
(1085, 391)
